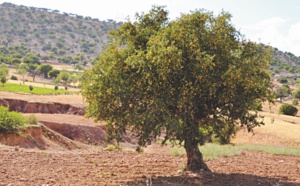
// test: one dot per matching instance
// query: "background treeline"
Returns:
(50, 34)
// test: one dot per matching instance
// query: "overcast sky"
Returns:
(273, 22)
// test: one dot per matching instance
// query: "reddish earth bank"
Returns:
(40, 107)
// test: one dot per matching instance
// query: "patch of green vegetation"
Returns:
(212, 151)
(177, 151)
(13, 122)
(10, 87)
(113, 147)
(276, 150)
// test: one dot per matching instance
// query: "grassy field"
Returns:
(279, 136)
(11, 87)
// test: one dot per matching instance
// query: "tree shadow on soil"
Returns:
(214, 179)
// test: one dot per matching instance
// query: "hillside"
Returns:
(51, 34)
(69, 38)
(285, 63)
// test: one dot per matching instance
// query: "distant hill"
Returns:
(285, 64)
(52, 34)
(69, 38)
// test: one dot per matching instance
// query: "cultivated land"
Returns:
(81, 158)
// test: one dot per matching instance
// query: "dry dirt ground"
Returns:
(88, 164)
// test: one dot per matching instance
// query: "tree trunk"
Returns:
(194, 156)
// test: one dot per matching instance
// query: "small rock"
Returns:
(16, 148)
(22, 179)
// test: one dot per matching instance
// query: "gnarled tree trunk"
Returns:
(194, 156)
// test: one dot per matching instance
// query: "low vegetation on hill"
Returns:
(50, 34)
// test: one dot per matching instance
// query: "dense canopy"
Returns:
(191, 77)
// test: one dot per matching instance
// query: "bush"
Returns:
(296, 94)
(13, 122)
(295, 102)
(10, 122)
(30, 88)
(31, 120)
(282, 80)
(56, 88)
(13, 77)
(288, 109)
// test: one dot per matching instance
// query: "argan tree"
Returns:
(183, 77)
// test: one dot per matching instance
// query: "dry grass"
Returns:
(284, 131)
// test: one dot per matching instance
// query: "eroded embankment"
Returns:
(41, 107)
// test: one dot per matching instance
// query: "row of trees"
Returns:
(18, 54)
(63, 77)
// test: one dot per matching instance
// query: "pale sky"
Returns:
(273, 22)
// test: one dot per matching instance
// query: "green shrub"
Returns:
(13, 122)
(296, 94)
(282, 80)
(295, 102)
(30, 88)
(288, 109)
(55, 87)
(10, 122)
(31, 120)
(13, 77)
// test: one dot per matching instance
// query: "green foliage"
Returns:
(257, 106)
(295, 102)
(282, 80)
(11, 122)
(296, 94)
(28, 27)
(53, 73)
(282, 91)
(3, 80)
(276, 150)
(55, 87)
(30, 88)
(31, 58)
(45, 69)
(180, 77)
(288, 109)
(63, 76)
(10, 87)
(225, 134)
(4, 70)
(31, 120)
(212, 151)
(13, 77)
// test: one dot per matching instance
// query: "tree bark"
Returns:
(195, 160)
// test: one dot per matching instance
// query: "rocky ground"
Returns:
(103, 167)
(70, 150)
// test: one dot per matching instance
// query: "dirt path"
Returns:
(34, 167)
(69, 99)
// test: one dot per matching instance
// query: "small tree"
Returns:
(182, 77)
(30, 88)
(4, 70)
(296, 94)
(53, 73)
(282, 92)
(22, 70)
(63, 76)
(3, 80)
(45, 69)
